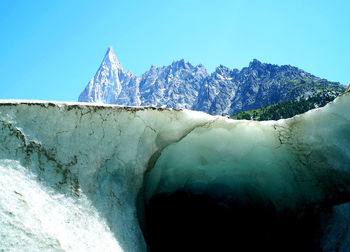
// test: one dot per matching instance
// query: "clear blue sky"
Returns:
(50, 49)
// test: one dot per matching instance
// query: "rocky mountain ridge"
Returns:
(224, 92)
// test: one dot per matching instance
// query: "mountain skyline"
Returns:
(46, 55)
(181, 85)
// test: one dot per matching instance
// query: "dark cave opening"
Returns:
(187, 220)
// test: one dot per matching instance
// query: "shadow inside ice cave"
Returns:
(216, 218)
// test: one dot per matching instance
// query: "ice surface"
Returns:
(296, 162)
(78, 166)
(34, 217)
(71, 172)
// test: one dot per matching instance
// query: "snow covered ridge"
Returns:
(81, 177)
(223, 92)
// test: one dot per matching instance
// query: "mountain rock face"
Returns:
(182, 85)
(111, 83)
(88, 177)
(174, 86)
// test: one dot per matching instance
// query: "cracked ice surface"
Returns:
(71, 172)
(292, 163)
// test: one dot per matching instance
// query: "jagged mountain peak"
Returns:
(255, 63)
(181, 64)
(181, 85)
(111, 59)
(221, 68)
(107, 84)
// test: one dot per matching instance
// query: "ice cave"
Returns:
(89, 177)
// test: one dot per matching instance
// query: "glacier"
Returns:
(91, 177)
